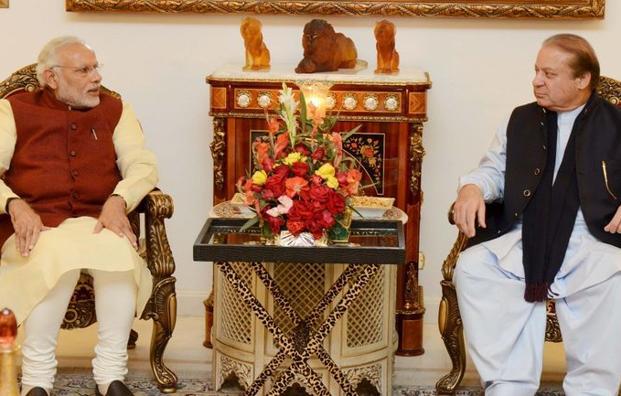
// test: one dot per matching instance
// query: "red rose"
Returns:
(299, 169)
(301, 148)
(295, 226)
(276, 186)
(316, 205)
(319, 193)
(300, 211)
(318, 154)
(276, 181)
(325, 219)
(317, 180)
(274, 222)
(335, 203)
(315, 228)
(268, 194)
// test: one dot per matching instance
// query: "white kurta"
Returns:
(25, 281)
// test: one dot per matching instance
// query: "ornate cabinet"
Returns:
(388, 148)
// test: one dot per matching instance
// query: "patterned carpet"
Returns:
(81, 383)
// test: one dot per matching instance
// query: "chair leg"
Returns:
(133, 337)
(164, 319)
(451, 329)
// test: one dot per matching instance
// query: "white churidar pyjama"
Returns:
(115, 302)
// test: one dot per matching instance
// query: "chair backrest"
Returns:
(610, 89)
(25, 79)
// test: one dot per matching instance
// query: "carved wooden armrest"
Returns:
(157, 207)
(448, 267)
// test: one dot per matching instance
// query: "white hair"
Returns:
(48, 55)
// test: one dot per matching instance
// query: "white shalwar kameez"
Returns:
(504, 333)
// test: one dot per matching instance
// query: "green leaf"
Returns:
(348, 134)
(249, 223)
(328, 124)
(303, 119)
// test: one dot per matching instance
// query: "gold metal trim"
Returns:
(489, 9)
(425, 84)
(605, 172)
(417, 152)
(340, 117)
(4, 3)
(218, 151)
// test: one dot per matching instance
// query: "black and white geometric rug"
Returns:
(80, 383)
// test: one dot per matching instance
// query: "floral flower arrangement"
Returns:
(302, 182)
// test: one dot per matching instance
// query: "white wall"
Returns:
(480, 70)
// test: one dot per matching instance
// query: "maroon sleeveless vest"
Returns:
(64, 164)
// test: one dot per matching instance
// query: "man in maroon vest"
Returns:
(73, 165)
(544, 219)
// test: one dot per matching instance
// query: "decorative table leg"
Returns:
(336, 373)
(267, 372)
(303, 344)
(315, 314)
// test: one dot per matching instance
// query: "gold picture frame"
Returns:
(4, 3)
(465, 8)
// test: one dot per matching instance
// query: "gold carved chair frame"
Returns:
(154, 248)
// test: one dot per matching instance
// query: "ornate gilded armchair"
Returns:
(449, 318)
(154, 248)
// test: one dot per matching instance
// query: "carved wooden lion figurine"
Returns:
(387, 56)
(324, 49)
(257, 54)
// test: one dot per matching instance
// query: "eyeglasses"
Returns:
(82, 71)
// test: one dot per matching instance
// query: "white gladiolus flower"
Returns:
(287, 100)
